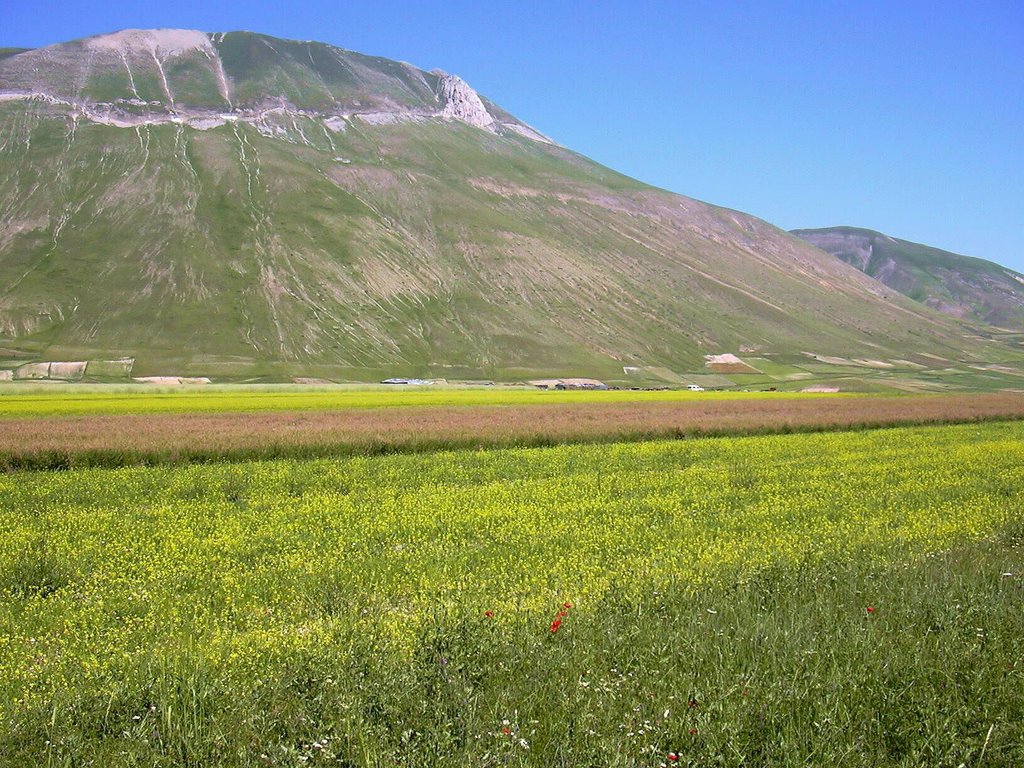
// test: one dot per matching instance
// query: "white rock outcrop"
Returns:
(170, 42)
(460, 102)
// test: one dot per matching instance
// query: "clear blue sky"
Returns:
(906, 117)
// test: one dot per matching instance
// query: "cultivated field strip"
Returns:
(108, 400)
(116, 440)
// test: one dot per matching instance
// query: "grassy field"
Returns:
(840, 599)
(61, 442)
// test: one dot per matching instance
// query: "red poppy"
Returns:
(871, 609)
(489, 614)
(506, 731)
(567, 606)
(672, 757)
(555, 625)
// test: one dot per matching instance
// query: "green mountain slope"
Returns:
(957, 285)
(236, 205)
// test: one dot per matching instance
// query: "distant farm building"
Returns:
(568, 384)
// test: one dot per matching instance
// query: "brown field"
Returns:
(732, 368)
(63, 442)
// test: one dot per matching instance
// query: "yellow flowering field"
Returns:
(144, 611)
(24, 401)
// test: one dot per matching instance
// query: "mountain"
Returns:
(957, 285)
(235, 205)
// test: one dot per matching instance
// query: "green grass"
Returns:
(334, 612)
(72, 401)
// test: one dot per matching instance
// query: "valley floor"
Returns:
(843, 598)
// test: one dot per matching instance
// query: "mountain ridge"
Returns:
(962, 286)
(226, 65)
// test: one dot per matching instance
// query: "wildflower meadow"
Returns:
(844, 598)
